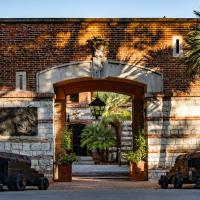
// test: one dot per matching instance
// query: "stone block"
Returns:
(45, 146)
(2, 146)
(34, 163)
(16, 146)
(7, 146)
(155, 141)
(26, 146)
(36, 146)
(27, 153)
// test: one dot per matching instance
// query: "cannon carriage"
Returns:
(186, 170)
(16, 173)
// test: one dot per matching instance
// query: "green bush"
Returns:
(140, 152)
(97, 136)
(66, 156)
(100, 138)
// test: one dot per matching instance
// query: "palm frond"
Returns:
(192, 56)
(197, 13)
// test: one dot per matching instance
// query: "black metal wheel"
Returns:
(43, 183)
(178, 181)
(197, 185)
(20, 182)
(163, 182)
(1, 188)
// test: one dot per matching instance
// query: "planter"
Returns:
(65, 173)
(138, 171)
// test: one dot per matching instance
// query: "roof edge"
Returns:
(61, 20)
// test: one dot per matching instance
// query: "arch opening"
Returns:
(110, 84)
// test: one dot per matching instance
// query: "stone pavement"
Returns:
(102, 189)
(80, 183)
(100, 170)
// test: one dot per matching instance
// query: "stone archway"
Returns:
(46, 78)
(119, 77)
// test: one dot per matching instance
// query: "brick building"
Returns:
(44, 60)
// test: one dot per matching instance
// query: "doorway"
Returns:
(77, 131)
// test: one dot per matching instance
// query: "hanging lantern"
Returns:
(97, 107)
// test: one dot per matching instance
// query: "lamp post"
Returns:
(97, 107)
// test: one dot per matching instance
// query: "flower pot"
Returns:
(138, 171)
(65, 173)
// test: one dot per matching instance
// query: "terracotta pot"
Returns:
(138, 171)
(65, 173)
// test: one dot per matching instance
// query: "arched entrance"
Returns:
(112, 84)
(136, 81)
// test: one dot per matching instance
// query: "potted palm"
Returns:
(137, 158)
(98, 138)
(65, 158)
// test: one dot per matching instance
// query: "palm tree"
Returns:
(117, 110)
(192, 56)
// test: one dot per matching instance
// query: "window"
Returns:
(177, 46)
(20, 80)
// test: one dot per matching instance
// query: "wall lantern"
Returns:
(97, 107)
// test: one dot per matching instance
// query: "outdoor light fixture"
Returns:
(97, 107)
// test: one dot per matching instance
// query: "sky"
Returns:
(98, 8)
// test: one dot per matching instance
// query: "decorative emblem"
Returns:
(99, 59)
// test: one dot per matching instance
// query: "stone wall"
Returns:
(173, 125)
(40, 148)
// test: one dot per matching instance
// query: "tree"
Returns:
(192, 56)
(116, 111)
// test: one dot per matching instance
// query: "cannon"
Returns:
(16, 173)
(186, 170)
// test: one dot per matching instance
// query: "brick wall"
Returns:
(32, 45)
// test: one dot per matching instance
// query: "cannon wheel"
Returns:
(43, 183)
(177, 181)
(17, 183)
(164, 182)
(1, 188)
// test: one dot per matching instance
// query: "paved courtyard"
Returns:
(103, 189)
(103, 194)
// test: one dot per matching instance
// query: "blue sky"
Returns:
(98, 8)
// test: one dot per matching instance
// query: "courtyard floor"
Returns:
(103, 189)
(80, 183)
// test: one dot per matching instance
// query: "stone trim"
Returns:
(24, 139)
(172, 118)
(20, 84)
(68, 20)
(173, 151)
(149, 96)
(186, 135)
(27, 94)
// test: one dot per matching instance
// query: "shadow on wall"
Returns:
(175, 121)
(128, 42)
(56, 43)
